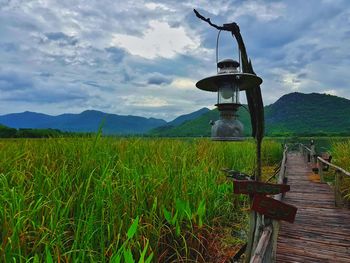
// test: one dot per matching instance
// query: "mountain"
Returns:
(26, 119)
(90, 121)
(187, 117)
(293, 114)
(87, 121)
(300, 113)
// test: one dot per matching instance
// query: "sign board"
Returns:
(254, 187)
(273, 208)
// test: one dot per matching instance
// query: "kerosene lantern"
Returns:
(228, 82)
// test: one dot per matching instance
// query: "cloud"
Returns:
(158, 79)
(144, 58)
(144, 101)
(159, 40)
(157, 6)
(23, 87)
(330, 92)
(12, 81)
(61, 38)
(44, 96)
(45, 74)
(183, 83)
(262, 11)
(116, 54)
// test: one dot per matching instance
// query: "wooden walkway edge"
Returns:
(321, 232)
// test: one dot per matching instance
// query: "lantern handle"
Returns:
(230, 27)
(217, 50)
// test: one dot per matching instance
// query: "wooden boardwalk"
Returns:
(321, 232)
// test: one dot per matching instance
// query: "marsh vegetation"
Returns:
(122, 200)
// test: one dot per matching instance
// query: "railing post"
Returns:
(338, 179)
(337, 194)
(260, 250)
(302, 151)
(320, 169)
(262, 239)
(312, 154)
(305, 154)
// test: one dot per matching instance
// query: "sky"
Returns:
(137, 57)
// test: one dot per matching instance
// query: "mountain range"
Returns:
(294, 113)
(90, 121)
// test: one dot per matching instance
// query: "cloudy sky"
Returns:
(143, 57)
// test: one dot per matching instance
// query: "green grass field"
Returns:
(121, 200)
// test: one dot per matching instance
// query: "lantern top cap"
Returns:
(227, 63)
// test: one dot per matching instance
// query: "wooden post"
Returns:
(337, 194)
(259, 254)
(258, 230)
(255, 218)
(302, 151)
(305, 154)
(313, 154)
(320, 169)
(271, 257)
(268, 254)
(251, 234)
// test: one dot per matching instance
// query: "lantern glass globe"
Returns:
(226, 92)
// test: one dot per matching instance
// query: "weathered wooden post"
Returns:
(306, 154)
(312, 153)
(232, 77)
(337, 193)
(320, 169)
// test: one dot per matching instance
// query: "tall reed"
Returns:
(118, 200)
(341, 157)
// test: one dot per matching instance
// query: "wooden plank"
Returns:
(274, 209)
(320, 171)
(337, 184)
(320, 232)
(254, 187)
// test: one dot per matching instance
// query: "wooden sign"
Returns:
(253, 187)
(273, 208)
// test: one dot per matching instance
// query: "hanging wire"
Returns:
(217, 49)
(217, 53)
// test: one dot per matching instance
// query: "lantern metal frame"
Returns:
(228, 71)
(228, 127)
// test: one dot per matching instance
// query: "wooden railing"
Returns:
(266, 247)
(338, 178)
(321, 164)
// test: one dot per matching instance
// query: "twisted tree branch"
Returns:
(231, 27)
